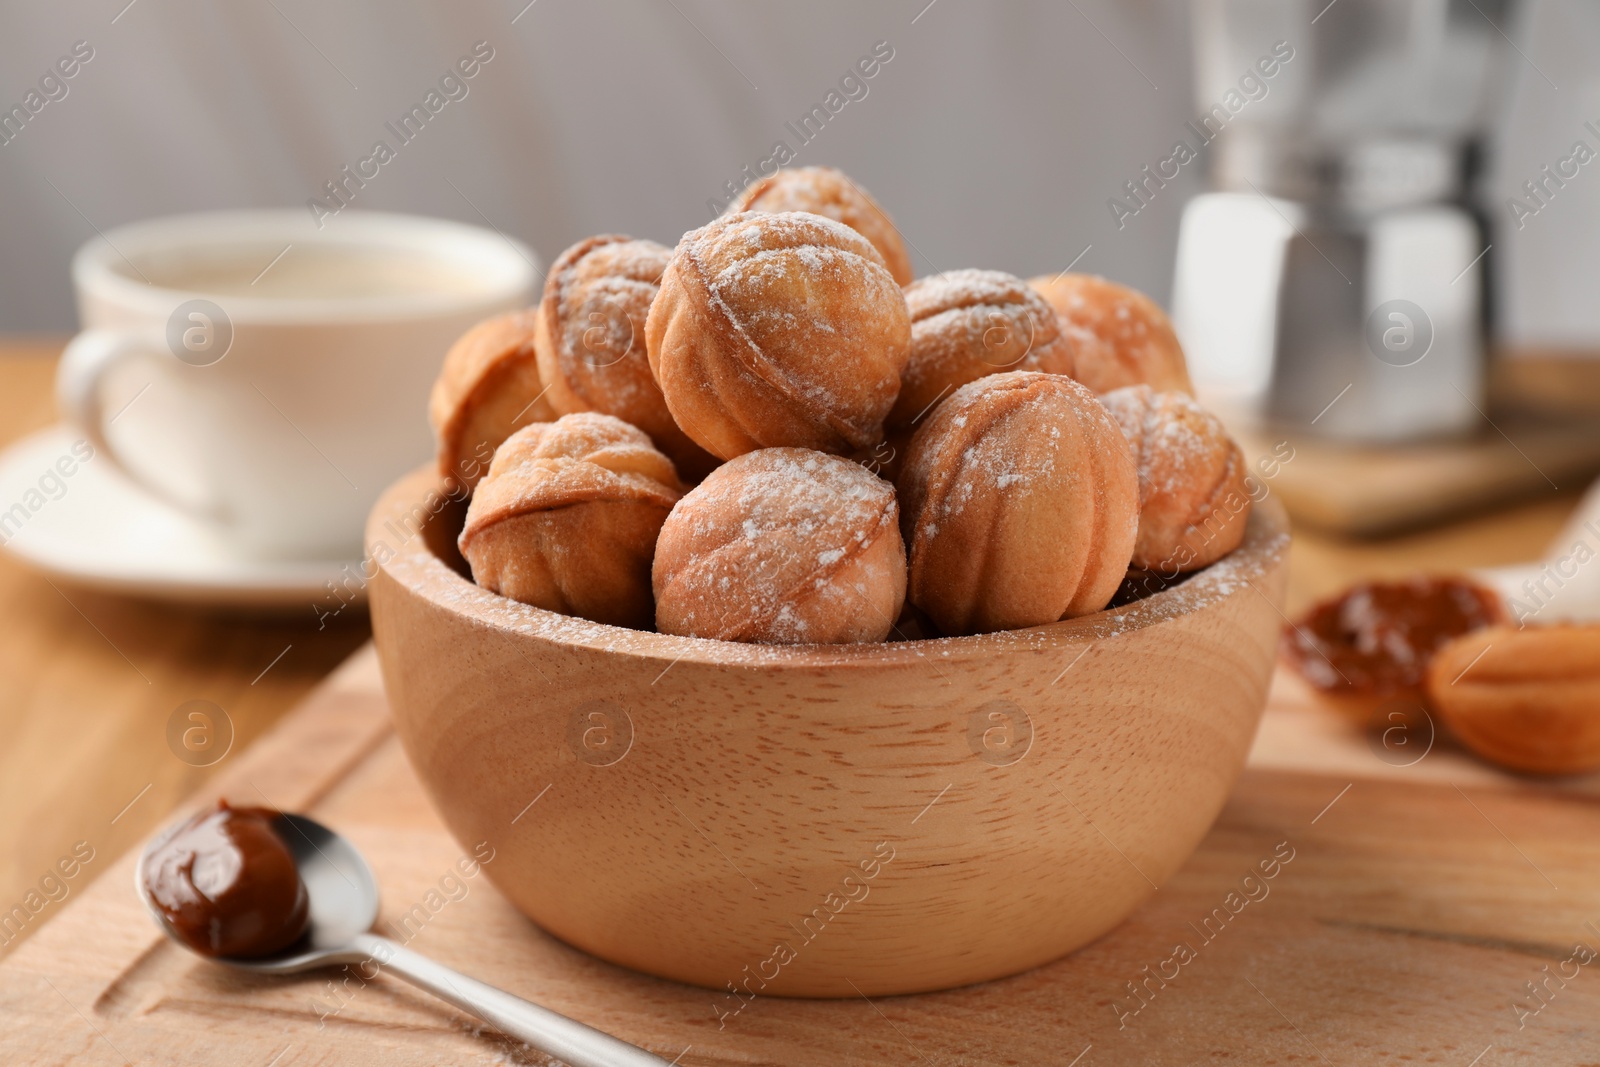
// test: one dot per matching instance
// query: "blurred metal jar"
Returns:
(1336, 283)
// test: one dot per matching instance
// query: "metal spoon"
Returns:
(344, 906)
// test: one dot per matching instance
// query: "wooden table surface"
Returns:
(1410, 922)
(89, 681)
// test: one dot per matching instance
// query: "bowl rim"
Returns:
(416, 568)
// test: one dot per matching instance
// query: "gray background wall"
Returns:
(994, 136)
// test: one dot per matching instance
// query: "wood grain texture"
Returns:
(1368, 491)
(88, 682)
(1403, 929)
(1549, 381)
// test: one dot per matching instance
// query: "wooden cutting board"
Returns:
(1408, 909)
(1366, 491)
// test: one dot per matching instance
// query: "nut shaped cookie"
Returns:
(1527, 699)
(590, 340)
(966, 324)
(1020, 503)
(488, 388)
(830, 192)
(1193, 500)
(1119, 336)
(567, 518)
(776, 330)
(782, 546)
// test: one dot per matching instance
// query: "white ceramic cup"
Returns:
(277, 407)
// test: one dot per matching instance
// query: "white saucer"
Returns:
(104, 533)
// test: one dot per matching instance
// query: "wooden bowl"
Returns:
(822, 820)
